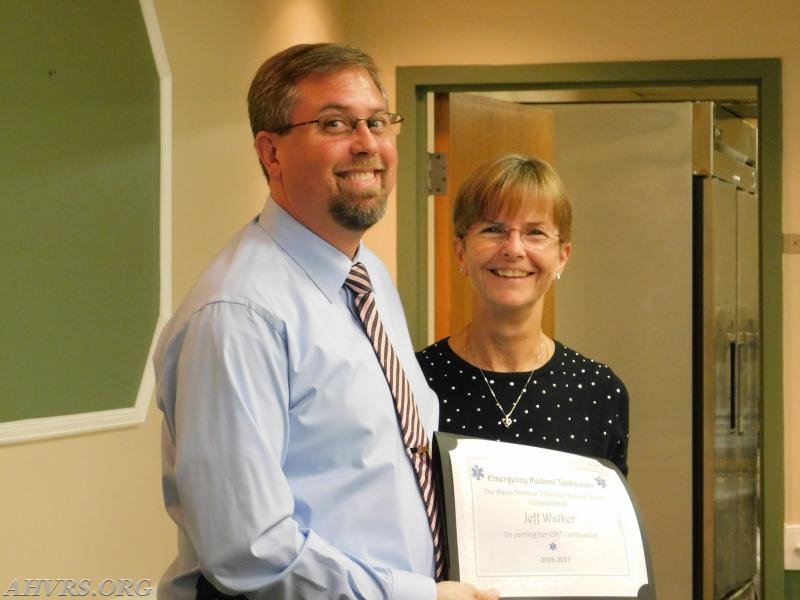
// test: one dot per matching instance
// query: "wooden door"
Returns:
(471, 129)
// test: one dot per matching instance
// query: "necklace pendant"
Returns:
(506, 421)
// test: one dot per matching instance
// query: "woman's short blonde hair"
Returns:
(512, 183)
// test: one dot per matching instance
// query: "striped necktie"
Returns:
(408, 419)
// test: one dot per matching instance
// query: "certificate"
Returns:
(536, 523)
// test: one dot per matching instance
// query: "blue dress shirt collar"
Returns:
(325, 265)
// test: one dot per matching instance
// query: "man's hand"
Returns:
(455, 590)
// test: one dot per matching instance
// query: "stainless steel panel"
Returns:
(732, 274)
(747, 379)
(736, 134)
(727, 168)
(724, 146)
(720, 239)
(703, 138)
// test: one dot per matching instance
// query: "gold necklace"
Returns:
(506, 420)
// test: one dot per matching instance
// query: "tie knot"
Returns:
(358, 279)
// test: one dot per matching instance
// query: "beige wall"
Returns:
(215, 49)
(85, 507)
(90, 506)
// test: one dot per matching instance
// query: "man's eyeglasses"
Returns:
(338, 125)
(532, 236)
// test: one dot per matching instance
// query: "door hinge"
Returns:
(437, 173)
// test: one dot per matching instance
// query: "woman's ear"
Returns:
(564, 253)
(458, 250)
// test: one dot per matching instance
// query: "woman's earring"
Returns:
(558, 274)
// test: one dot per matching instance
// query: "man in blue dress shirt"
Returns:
(284, 468)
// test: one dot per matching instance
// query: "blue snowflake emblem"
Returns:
(477, 472)
(553, 546)
(600, 481)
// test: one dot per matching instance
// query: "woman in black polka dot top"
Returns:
(501, 377)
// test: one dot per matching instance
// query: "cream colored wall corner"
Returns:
(85, 507)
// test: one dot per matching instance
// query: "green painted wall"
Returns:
(792, 585)
(79, 191)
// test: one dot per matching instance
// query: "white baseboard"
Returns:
(791, 547)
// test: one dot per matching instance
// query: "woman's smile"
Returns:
(510, 273)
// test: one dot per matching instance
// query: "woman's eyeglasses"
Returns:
(534, 237)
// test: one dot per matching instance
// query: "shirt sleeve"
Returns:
(620, 431)
(231, 432)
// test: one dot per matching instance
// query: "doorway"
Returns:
(414, 212)
(468, 129)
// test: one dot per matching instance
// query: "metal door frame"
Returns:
(413, 85)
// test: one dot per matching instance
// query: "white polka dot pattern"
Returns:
(571, 404)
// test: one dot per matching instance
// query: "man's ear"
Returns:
(265, 145)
